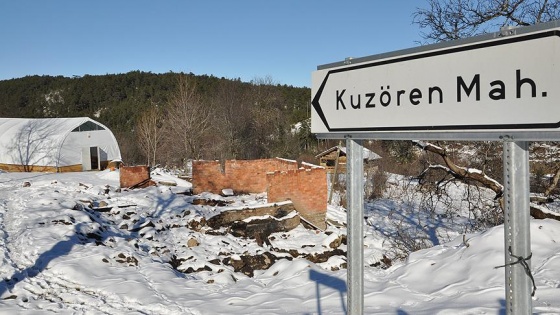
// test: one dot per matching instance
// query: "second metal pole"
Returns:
(516, 227)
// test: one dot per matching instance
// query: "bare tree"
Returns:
(269, 131)
(233, 117)
(188, 119)
(455, 19)
(149, 132)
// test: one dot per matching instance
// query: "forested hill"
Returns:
(116, 99)
(112, 99)
(119, 100)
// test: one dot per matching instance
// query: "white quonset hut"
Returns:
(56, 145)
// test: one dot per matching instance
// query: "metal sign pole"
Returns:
(355, 226)
(516, 227)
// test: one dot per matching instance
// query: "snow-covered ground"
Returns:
(74, 244)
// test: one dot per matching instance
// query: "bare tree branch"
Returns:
(554, 183)
(463, 173)
(453, 19)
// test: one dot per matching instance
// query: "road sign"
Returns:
(490, 85)
(503, 86)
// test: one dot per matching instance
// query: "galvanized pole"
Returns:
(516, 227)
(355, 226)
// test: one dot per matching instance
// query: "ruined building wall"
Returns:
(134, 175)
(304, 185)
(306, 188)
(243, 176)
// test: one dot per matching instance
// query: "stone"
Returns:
(192, 242)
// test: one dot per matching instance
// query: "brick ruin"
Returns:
(304, 184)
(135, 176)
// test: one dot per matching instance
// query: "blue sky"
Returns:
(247, 39)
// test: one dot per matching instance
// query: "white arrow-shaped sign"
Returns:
(508, 83)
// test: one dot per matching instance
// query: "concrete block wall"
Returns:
(306, 188)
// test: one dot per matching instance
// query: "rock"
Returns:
(227, 192)
(167, 183)
(260, 229)
(538, 213)
(209, 202)
(175, 262)
(333, 241)
(143, 225)
(197, 224)
(324, 256)
(192, 242)
(123, 259)
(192, 270)
(226, 218)
(248, 264)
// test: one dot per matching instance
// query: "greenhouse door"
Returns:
(90, 158)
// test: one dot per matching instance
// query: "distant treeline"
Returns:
(258, 117)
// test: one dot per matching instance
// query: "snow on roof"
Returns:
(35, 131)
(39, 134)
(368, 154)
(302, 163)
(10, 127)
(55, 126)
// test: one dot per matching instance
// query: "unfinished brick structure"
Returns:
(134, 176)
(305, 185)
(306, 188)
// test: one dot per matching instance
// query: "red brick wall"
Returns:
(208, 176)
(282, 179)
(133, 175)
(306, 188)
(240, 175)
